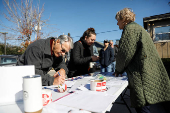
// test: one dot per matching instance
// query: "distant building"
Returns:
(117, 42)
(158, 26)
(99, 45)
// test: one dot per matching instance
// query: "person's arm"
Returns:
(61, 71)
(59, 64)
(59, 77)
(127, 49)
(33, 56)
(100, 56)
(111, 55)
(78, 59)
(95, 51)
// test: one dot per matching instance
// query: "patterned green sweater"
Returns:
(137, 55)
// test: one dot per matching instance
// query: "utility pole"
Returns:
(37, 30)
(4, 33)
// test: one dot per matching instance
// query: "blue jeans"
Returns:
(106, 69)
(113, 66)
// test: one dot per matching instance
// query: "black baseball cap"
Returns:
(106, 41)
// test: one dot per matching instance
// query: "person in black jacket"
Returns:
(82, 54)
(106, 57)
(113, 62)
(46, 54)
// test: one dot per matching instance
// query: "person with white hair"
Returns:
(113, 62)
(137, 56)
(46, 54)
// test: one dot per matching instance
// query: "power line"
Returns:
(99, 32)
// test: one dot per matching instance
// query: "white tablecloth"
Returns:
(115, 86)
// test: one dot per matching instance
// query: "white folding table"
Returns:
(115, 90)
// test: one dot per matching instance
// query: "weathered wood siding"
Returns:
(163, 49)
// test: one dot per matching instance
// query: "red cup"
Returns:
(104, 85)
(46, 96)
(96, 85)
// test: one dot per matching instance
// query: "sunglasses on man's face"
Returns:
(63, 50)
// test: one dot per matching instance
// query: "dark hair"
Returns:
(88, 33)
(106, 41)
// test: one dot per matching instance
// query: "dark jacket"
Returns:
(39, 55)
(106, 57)
(80, 58)
(115, 51)
(137, 55)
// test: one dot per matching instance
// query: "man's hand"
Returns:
(59, 77)
(94, 58)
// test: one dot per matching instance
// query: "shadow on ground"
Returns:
(120, 107)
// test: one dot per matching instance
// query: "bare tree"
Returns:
(24, 17)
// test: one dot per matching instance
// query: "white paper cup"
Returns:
(96, 85)
(46, 96)
(32, 95)
(91, 64)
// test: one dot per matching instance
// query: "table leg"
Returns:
(125, 103)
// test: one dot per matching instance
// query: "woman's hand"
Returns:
(95, 58)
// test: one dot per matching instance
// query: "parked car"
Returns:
(8, 60)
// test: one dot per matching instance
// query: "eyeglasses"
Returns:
(63, 50)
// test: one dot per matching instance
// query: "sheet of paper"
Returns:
(80, 82)
(82, 88)
(11, 82)
(88, 100)
(112, 90)
(70, 83)
(56, 108)
(114, 83)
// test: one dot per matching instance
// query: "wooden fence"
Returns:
(163, 48)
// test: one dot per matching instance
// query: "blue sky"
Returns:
(75, 16)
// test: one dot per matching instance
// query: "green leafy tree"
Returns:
(10, 49)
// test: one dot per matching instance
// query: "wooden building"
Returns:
(158, 26)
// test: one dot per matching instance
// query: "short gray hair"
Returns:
(110, 40)
(65, 38)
